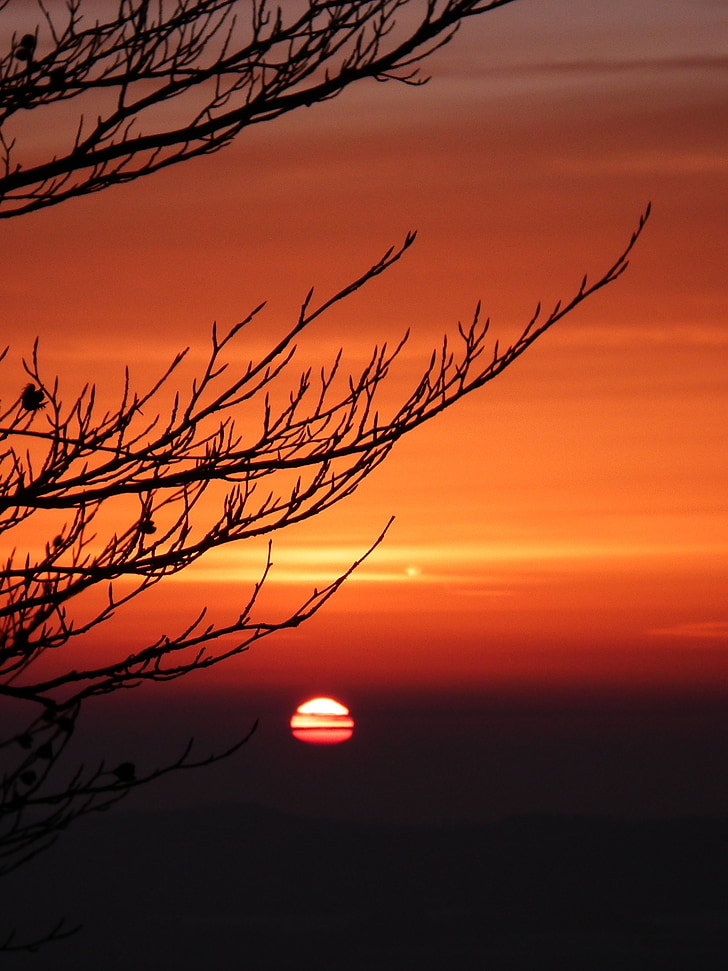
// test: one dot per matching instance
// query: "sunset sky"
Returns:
(564, 529)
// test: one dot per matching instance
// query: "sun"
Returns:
(322, 721)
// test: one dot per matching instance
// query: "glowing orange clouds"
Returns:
(322, 721)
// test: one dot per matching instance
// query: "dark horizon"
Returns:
(427, 756)
(234, 887)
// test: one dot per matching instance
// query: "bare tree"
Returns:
(120, 490)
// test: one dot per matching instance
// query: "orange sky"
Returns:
(570, 522)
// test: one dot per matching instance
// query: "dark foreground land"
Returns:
(247, 888)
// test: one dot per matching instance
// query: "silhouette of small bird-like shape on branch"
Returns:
(57, 78)
(125, 772)
(45, 751)
(32, 398)
(25, 48)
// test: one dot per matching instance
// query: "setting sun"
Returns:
(322, 721)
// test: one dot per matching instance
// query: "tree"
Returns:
(149, 462)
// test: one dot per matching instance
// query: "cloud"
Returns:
(656, 162)
(478, 569)
(625, 65)
(698, 630)
(584, 67)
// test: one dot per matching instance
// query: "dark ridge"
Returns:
(234, 887)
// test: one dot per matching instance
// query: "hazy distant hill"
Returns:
(243, 887)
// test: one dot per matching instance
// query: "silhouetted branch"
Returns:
(58, 932)
(156, 84)
(330, 439)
